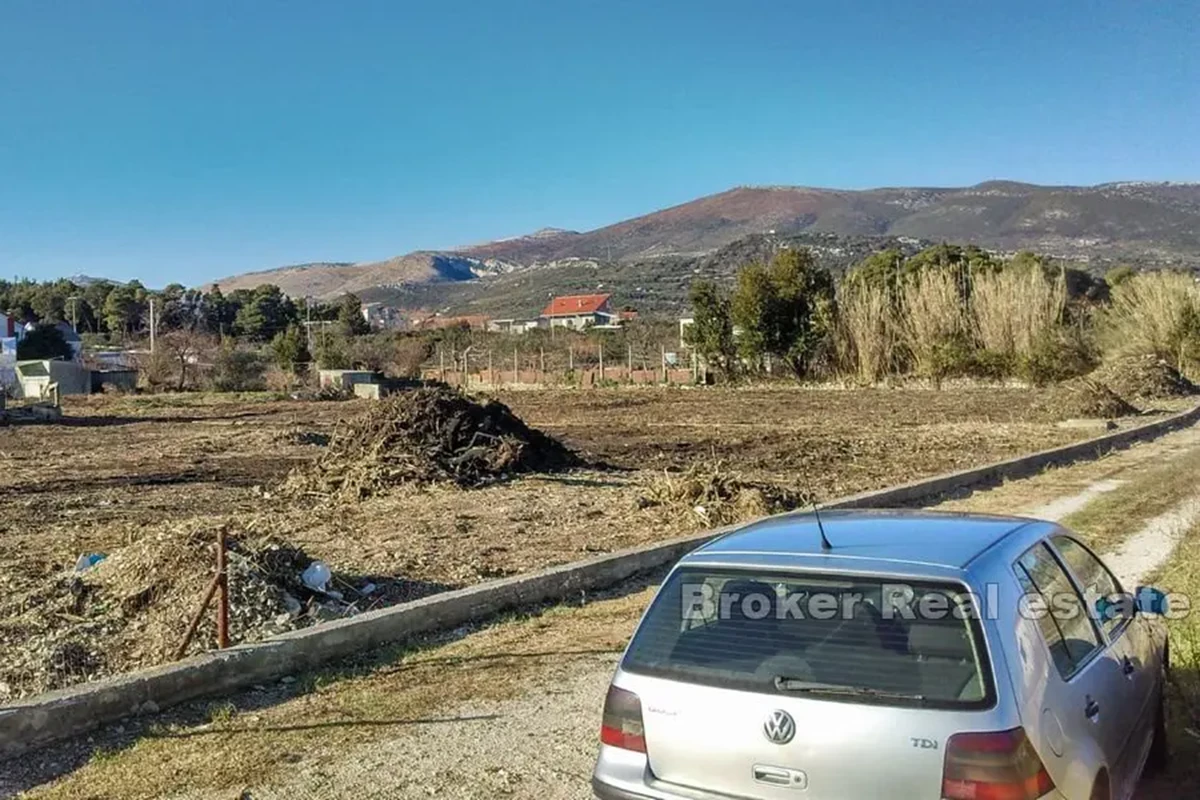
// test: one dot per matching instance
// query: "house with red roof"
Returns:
(578, 311)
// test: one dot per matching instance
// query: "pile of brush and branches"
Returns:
(1085, 398)
(431, 434)
(1144, 377)
(711, 494)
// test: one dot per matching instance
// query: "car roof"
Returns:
(898, 535)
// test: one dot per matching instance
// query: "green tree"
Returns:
(711, 331)
(120, 309)
(44, 341)
(753, 308)
(334, 352)
(266, 313)
(95, 297)
(217, 313)
(290, 349)
(785, 310)
(350, 318)
(882, 269)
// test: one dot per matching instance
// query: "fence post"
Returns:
(222, 593)
(601, 361)
(571, 358)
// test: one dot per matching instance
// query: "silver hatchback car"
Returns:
(895, 654)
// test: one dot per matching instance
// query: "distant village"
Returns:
(93, 371)
(574, 312)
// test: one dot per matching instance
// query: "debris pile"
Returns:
(132, 608)
(430, 434)
(710, 494)
(1085, 398)
(1145, 377)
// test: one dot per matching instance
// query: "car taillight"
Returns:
(993, 766)
(621, 725)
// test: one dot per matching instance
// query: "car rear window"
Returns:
(850, 638)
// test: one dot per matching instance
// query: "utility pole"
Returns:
(308, 322)
(152, 326)
(74, 300)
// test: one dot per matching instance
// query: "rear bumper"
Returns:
(605, 791)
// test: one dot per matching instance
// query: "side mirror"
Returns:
(1149, 600)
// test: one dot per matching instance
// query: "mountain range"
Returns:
(1136, 222)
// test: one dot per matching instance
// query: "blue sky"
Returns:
(192, 139)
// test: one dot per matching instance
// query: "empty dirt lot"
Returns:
(511, 708)
(148, 481)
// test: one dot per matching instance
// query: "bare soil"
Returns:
(510, 708)
(120, 470)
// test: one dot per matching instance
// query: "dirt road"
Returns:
(512, 709)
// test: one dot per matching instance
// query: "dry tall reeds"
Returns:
(867, 331)
(1155, 313)
(932, 315)
(1015, 308)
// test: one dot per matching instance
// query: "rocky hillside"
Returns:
(1149, 223)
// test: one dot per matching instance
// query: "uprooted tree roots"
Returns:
(431, 434)
(710, 494)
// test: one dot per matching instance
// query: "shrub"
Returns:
(1155, 313)
(236, 370)
(993, 365)
(280, 380)
(1057, 355)
(44, 342)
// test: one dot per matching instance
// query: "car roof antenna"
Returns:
(816, 507)
(825, 545)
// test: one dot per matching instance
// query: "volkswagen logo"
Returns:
(779, 727)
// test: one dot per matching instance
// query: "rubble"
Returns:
(430, 434)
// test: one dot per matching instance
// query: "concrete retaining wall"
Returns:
(57, 715)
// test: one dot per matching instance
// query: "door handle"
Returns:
(1128, 667)
(1091, 710)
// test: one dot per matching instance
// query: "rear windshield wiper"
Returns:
(786, 684)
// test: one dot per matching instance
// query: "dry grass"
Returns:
(1111, 517)
(867, 331)
(932, 314)
(1155, 313)
(1181, 575)
(1014, 308)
